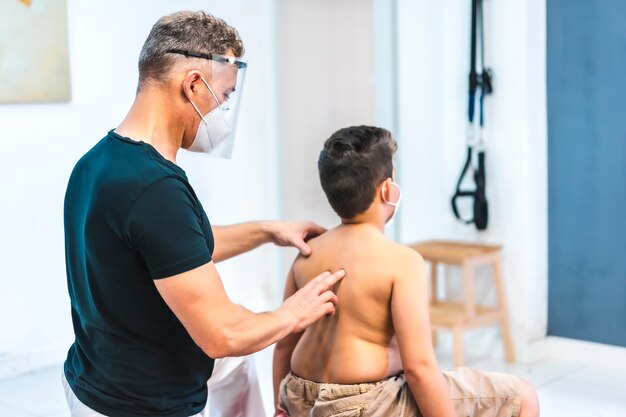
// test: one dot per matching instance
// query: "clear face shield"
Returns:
(225, 81)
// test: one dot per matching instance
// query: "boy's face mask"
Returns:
(395, 204)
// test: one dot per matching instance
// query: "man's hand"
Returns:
(240, 238)
(294, 234)
(280, 413)
(314, 300)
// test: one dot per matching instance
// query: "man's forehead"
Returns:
(225, 73)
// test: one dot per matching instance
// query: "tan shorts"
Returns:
(473, 392)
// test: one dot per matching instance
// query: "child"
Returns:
(374, 356)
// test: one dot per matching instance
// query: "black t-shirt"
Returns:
(131, 217)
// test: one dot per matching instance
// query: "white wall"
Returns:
(325, 83)
(433, 42)
(42, 142)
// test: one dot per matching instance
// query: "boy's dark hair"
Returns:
(352, 164)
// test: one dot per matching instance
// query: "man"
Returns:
(374, 357)
(149, 309)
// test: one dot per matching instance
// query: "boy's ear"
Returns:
(384, 190)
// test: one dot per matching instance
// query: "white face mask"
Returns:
(394, 205)
(213, 130)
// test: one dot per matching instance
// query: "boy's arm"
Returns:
(411, 321)
(284, 348)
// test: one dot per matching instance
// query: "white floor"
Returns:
(566, 389)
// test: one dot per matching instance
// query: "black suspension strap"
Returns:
(475, 143)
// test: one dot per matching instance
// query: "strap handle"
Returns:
(480, 206)
(477, 80)
(462, 193)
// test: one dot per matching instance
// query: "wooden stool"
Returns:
(459, 317)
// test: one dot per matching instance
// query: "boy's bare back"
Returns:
(357, 344)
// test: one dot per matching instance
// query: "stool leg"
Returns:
(509, 350)
(433, 294)
(469, 293)
(433, 282)
(459, 356)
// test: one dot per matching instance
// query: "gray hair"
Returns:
(197, 32)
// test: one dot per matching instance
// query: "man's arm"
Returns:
(284, 348)
(221, 328)
(234, 240)
(411, 321)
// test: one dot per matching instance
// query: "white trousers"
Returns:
(233, 392)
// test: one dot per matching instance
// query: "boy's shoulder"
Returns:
(401, 261)
(408, 263)
(405, 253)
(395, 255)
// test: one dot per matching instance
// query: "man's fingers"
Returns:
(313, 231)
(323, 276)
(328, 308)
(320, 278)
(315, 300)
(304, 249)
(326, 280)
(331, 280)
(329, 296)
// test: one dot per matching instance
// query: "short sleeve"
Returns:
(165, 227)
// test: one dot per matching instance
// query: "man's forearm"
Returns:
(239, 238)
(246, 332)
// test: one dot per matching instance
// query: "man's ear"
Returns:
(191, 83)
